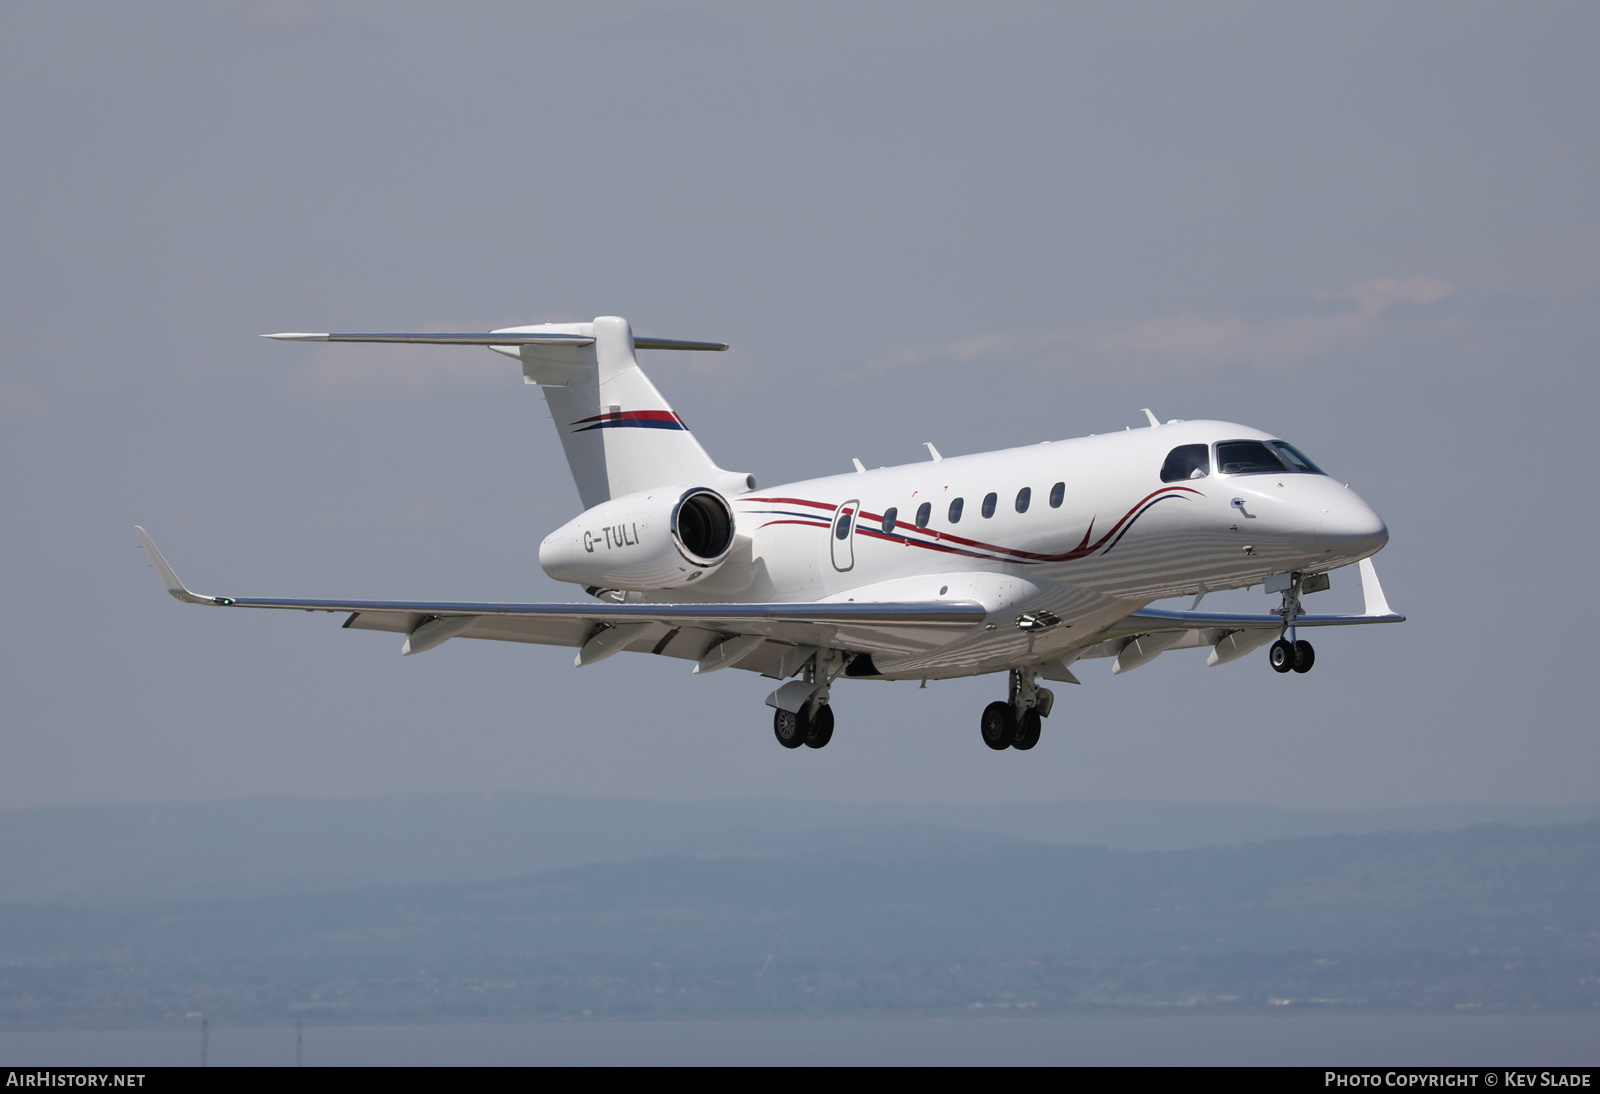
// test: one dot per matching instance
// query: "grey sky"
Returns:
(1370, 228)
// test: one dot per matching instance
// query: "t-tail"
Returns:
(619, 434)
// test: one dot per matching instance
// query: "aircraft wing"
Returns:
(753, 636)
(1140, 636)
(1375, 610)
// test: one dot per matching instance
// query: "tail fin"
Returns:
(619, 434)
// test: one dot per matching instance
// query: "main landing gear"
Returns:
(1286, 655)
(1289, 652)
(812, 724)
(1016, 722)
(810, 727)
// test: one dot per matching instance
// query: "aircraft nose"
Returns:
(1354, 529)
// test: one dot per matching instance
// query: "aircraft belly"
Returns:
(1083, 614)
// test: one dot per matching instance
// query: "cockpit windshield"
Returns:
(1296, 459)
(1263, 458)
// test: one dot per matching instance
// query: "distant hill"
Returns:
(266, 846)
(887, 919)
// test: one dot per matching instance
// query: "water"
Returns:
(1307, 1040)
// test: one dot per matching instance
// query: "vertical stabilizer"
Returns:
(619, 434)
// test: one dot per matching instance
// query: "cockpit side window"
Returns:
(1296, 459)
(1247, 458)
(1187, 461)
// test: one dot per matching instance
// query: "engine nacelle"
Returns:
(655, 539)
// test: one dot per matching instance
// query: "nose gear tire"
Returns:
(1281, 655)
(1304, 656)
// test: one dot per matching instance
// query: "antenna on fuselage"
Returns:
(1154, 421)
(932, 451)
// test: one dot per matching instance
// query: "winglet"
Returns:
(170, 579)
(1371, 591)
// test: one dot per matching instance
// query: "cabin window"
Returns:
(1024, 496)
(924, 514)
(989, 502)
(1248, 458)
(841, 527)
(1187, 461)
(889, 516)
(955, 510)
(1058, 493)
(1296, 459)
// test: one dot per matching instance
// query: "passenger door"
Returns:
(841, 535)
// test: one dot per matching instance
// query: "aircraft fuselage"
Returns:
(1084, 528)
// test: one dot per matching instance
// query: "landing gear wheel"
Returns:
(1304, 656)
(821, 727)
(1027, 730)
(999, 725)
(1281, 655)
(788, 727)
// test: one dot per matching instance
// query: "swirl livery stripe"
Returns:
(630, 419)
(949, 543)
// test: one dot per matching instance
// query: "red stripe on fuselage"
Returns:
(1082, 550)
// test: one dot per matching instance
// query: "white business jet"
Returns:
(1020, 561)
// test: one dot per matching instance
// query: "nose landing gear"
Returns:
(1286, 655)
(1016, 723)
(1290, 652)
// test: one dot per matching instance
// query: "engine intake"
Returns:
(656, 539)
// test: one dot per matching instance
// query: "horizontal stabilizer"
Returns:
(487, 339)
(491, 338)
(676, 343)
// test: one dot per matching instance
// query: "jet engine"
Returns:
(655, 539)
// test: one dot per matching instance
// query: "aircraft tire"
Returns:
(1028, 727)
(1304, 656)
(1281, 655)
(821, 727)
(998, 725)
(788, 728)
